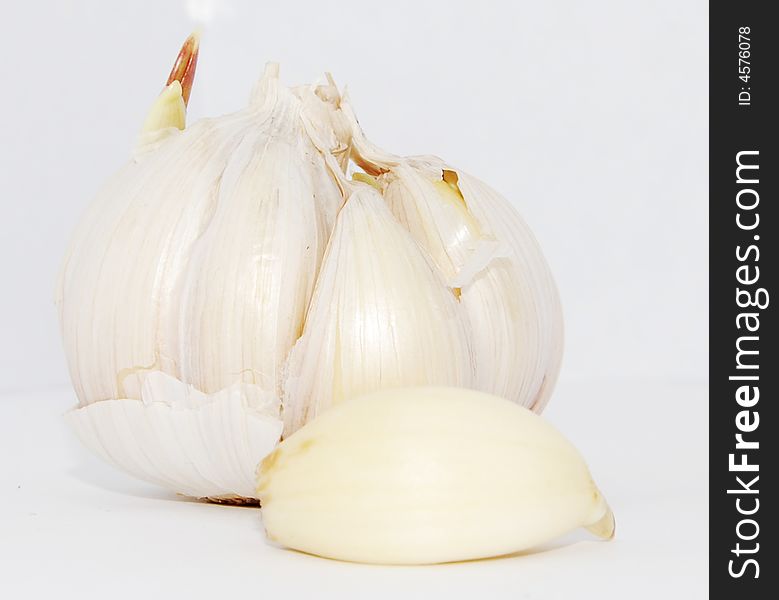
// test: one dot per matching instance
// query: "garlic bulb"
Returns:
(230, 284)
(426, 475)
(198, 260)
(489, 256)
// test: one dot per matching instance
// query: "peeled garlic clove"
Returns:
(490, 258)
(426, 475)
(381, 317)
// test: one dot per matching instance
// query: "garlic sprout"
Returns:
(489, 257)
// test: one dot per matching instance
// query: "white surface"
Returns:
(591, 116)
(70, 526)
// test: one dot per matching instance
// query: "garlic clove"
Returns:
(380, 317)
(426, 475)
(485, 249)
(243, 295)
(488, 256)
(201, 445)
(530, 318)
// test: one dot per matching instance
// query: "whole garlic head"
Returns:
(230, 284)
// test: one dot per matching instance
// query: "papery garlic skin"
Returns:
(426, 475)
(381, 317)
(489, 256)
(205, 446)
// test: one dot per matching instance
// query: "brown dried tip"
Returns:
(183, 69)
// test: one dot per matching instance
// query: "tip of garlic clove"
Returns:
(168, 110)
(266, 87)
(605, 527)
(426, 475)
(365, 178)
(271, 70)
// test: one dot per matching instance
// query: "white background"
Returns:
(590, 116)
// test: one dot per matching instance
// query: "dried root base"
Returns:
(234, 501)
